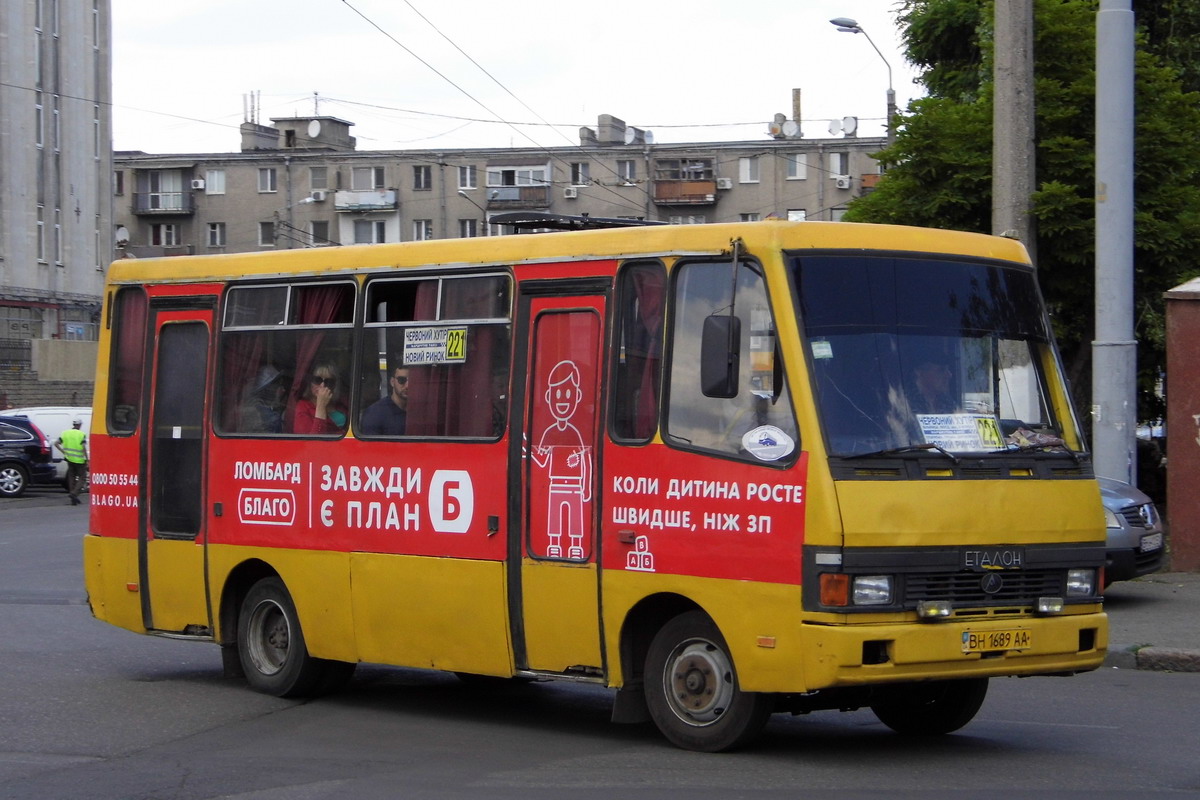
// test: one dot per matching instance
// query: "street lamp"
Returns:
(847, 25)
(482, 210)
(289, 222)
(467, 197)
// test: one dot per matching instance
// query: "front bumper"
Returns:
(856, 655)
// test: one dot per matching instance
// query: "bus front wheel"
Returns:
(930, 709)
(271, 646)
(692, 690)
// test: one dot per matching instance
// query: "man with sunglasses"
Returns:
(388, 415)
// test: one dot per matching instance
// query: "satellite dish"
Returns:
(835, 127)
(122, 236)
(849, 125)
(314, 129)
(791, 128)
(631, 135)
(649, 137)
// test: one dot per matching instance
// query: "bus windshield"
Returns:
(926, 354)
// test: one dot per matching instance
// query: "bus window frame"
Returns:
(218, 408)
(363, 328)
(755, 266)
(618, 323)
(115, 358)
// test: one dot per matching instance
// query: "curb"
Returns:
(1160, 659)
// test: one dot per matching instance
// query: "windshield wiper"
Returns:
(1026, 448)
(910, 448)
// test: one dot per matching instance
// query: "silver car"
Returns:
(1137, 542)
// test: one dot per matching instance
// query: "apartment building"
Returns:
(301, 182)
(55, 171)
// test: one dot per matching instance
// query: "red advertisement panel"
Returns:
(671, 511)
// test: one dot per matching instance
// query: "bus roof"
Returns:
(583, 245)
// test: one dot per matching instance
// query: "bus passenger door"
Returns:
(555, 582)
(171, 531)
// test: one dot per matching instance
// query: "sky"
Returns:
(419, 74)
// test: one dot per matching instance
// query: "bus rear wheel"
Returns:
(930, 709)
(271, 647)
(692, 690)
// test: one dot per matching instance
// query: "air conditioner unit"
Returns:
(318, 196)
(842, 181)
(724, 183)
(570, 193)
(197, 184)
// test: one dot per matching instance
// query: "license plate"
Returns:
(1152, 542)
(988, 641)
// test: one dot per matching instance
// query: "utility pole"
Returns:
(1014, 160)
(1114, 351)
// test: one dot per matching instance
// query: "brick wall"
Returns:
(20, 388)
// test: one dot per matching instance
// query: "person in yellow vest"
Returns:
(73, 445)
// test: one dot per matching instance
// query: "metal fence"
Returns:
(15, 354)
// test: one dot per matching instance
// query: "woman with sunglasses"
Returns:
(320, 410)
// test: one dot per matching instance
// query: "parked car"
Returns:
(53, 420)
(24, 456)
(1137, 541)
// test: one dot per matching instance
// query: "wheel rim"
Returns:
(698, 682)
(268, 637)
(10, 480)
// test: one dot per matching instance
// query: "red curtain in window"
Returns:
(426, 387)
(239, 369)
(454, 399)
(129, 353)
(648, 285)
(315, 305)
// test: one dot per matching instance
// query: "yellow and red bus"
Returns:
(725, 470)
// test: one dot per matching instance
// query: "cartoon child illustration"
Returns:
(562, 452)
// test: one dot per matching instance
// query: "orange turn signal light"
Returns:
(835, 589)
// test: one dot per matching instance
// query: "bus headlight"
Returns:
(1081, 582)
(872, 590)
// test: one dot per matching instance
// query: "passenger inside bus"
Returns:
(388, 415)
(320, 409)
(932, 393)
(262, 407)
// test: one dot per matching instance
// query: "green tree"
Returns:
(941, 173)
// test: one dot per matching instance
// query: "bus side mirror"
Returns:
(720, 346)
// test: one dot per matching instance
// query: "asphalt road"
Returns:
(90, 711)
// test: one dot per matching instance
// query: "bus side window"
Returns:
(437, 349)
(273, 339)
(638, 368)
(753, 418)
(128, 316)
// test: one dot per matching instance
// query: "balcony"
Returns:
(517, 198)
(163, 204)
(375, 200)
(685, 193)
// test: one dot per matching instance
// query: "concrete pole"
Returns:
(1114, 351)
(1013, 155)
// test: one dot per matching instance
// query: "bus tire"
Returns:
(271, 643)
(930, 709)
(692, 689)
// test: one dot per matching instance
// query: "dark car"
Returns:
(24, 456)
(1136, 538)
